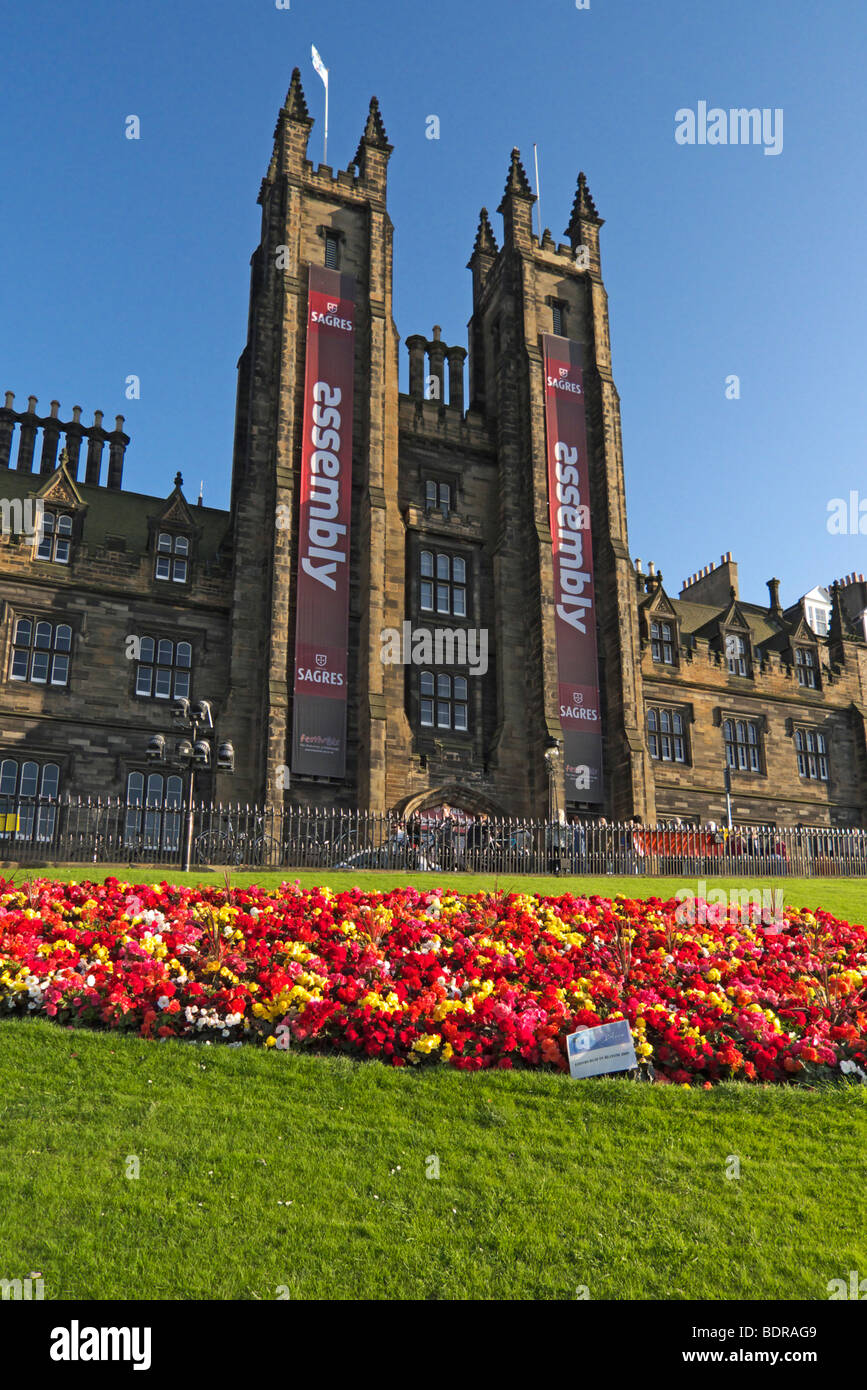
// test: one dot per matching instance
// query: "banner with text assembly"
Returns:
(574, 592)
(322, 627)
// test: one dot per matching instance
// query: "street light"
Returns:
(552, 767)
(193, 751)
(552, 762)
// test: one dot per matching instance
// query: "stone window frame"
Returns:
(57, 507)
(814, 668)
(440, 479)
(426, 736)
(37, 617)
(338, 238)
(821, 755)
(671, 622)
(55, 536)
(40, 809)
(438, 696)
(561, 307)
(735, 717)
(681, 712)
(173, 556)
(437, 580)
(747, 657)
(141, 816)
(156, 665)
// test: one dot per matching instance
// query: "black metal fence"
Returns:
(42, 831)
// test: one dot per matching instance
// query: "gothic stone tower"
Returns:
(488, 527)
(493, 461)
(312, 217)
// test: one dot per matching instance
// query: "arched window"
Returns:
(662, 643)
(807, 667)
(172, 559)
(742, 745)
(443, 701)
(28, 793)
(41, 652)
(164, 669)
(812, 753)
(448, 595)
(153, 811)
(55, 539)
(737, 655)
(666, 738)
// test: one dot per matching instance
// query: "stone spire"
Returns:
(517, 205)
(486, 242)
(583, 229)
(295, 105)
(517, 183)
(583, 208)
(291, 134)
(372, 155)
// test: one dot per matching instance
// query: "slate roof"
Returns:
(113, 512)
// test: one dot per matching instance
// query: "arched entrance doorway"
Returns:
(463, 800)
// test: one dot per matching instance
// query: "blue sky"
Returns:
(127, 257)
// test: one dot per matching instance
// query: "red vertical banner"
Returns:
(574, 591)
(322, 626)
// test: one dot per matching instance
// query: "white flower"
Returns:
(91, 981)
(163, 1001)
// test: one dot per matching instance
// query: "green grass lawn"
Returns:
(545, 1184)
(264, 1171)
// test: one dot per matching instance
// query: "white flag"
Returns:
(319, 65)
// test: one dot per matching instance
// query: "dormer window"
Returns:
(737, 655)
(55, 539)
(662, 643)
(807, 667)
(172, 561)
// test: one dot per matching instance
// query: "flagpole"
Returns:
(323, 73)
(538, 190)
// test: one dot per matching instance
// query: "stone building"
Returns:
(114, 603)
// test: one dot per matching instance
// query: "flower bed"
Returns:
(472, 980)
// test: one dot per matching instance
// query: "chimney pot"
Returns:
(76, 414)
(55, 406)
(118, 423)
(31, 404)
(10, 396)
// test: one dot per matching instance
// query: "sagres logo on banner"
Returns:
(574, 595)
(322, 628)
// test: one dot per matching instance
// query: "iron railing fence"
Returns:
(36, 830)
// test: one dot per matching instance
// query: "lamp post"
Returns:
(195, 720)
(728, 787)
(552, 765)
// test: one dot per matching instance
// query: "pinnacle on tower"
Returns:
(517, 184)
(486, 242)
(295, 105)
(374, 132)
(583, 208)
